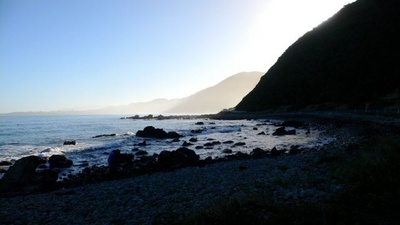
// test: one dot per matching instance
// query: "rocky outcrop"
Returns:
(152, 132)
(23, 178)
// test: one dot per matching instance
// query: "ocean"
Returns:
(45, 135)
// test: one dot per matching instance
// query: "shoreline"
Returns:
(149, 197)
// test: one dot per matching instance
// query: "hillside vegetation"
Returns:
(349, 61)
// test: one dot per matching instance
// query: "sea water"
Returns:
(45, 135)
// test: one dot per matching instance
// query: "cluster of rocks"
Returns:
(31, 175)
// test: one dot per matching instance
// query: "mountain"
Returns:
(223, 95)
(350, 61)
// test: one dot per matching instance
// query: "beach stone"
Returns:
(158, 133)
(199, 123)
(59, 161)
(22, 175)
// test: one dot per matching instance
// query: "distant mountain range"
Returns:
(351, 61)
(223, 95)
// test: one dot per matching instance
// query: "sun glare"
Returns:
(279, 23)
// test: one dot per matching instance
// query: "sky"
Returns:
(74, 54)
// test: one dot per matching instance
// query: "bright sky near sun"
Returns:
(75, 54)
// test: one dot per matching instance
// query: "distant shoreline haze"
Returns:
(225, 94)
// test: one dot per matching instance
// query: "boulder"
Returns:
(59, 161)
(178, 158)
(153, 132)
(22, 176)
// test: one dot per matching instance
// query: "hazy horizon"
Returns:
(91, 54)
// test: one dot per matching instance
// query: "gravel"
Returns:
(139, 200)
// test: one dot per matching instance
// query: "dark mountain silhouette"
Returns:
(352, 60)
(226, 94)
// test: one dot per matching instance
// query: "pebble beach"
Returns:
(157, 197)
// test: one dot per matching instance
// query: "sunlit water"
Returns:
(44, 136)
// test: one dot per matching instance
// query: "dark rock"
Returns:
(239, 144)
(282, 131)
(22, 176)
(200, 123)
(152, 132)
(178, 158)
(185, 144)
(5, 163)
(141, 152)
(142, 143)
(47, 180)
(261, 133)
(59, 161)
(275, 152)
(227, 142)
(198, 131)
(255, 128)
(199, 147)
(72, 142)
(127, 159)
(104, 135)
(227, 151)
(295, 149)
(258, 152)
(176, 140)
(193, 139)
(134, 150)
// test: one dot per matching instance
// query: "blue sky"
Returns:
(74, 54)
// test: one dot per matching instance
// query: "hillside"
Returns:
(223, 95)
(349, 61)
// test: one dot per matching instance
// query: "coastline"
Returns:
(158, 196)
